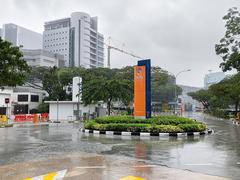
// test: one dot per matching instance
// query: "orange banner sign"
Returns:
(140, 91)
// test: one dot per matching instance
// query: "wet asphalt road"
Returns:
(217, 154)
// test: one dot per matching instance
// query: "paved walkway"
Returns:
(97, 167)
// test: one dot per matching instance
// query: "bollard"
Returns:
(35, 119)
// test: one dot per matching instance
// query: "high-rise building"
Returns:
(213, 78)
(0, 32)
(20, 36)
(77, 38)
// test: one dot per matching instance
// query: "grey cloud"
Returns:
(175, 34)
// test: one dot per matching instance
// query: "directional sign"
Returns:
(7, 100)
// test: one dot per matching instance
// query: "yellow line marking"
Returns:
(49, 176)
(132, 178)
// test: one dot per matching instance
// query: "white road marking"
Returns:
(91, 167)
(203, 164)
(60, 174)
(143, 166)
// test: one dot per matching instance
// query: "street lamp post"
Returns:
(175, 87)
(57, 110)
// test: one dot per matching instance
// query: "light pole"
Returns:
(175, 87)
(57, 111)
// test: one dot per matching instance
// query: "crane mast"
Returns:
(109, 47)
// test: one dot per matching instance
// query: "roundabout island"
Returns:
(156, 126)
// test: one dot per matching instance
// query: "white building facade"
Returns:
(20, 36)
(5, 108)
(213, 78)
(187, 102)
(42, 58)
(77, 38)
(22, 100)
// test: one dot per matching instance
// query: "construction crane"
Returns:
(109, 47)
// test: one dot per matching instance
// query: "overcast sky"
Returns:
(175, 34)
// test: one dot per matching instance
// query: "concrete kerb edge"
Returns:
(236, 122)
(146, 134)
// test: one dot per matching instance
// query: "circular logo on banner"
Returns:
(139, 75)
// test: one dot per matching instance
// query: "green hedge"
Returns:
(192, 127)
(159, 120)
(6, 125)
(160, 124)
(133, 127)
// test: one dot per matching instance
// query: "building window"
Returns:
(22, 98)
(34, 98)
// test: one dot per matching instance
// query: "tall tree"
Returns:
(229, 46)
(163, 86)
(202, 96)
(52, 84)
(228, 89)
(103, 84)
(13, 69)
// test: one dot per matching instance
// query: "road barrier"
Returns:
(35, 118)
(3, 119)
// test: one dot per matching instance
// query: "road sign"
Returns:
(7, 100)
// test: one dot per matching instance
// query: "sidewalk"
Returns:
(97, 167)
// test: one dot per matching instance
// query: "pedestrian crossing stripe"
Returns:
(132, 178)
(59, 175)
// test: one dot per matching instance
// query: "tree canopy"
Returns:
(107, 85)
(229, 46)
(202, 96)
(13, 69)
(223, 95)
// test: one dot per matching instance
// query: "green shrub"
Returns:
(160, 120)
(121, 119)
(193, 127)
(171, 120)
(89, 124)
(164, 129)
(121, 127)
(160, 124)
(220, 113)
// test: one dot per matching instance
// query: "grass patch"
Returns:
(6, 125)
(159, 124)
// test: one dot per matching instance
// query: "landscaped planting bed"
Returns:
(6, 125)
(159, 124)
